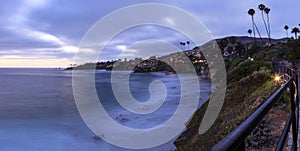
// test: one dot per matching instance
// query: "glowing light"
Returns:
(277, 78)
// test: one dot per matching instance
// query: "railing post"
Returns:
(294, 124)
(297, 99)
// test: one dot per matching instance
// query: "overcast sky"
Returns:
(47, 33)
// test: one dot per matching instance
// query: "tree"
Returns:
(183, 43)
(262, 7)
(267, 11)
(286, 27)
(249, 32)
(251, 12)
(188, 44)
(295, 30)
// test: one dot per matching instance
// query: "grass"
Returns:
(251, 82)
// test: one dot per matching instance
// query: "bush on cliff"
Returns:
(245, 68)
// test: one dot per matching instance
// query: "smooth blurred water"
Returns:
(38, 111)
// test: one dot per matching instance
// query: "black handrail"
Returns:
(284, 134)
(235, 140)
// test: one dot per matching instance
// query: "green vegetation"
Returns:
(235, 62)
(294, 50)
(245, 68)
(252, 84)
(249, 83)
(289, 50)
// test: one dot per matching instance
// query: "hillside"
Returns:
(251, 40)
(249, 83)
(246, 92)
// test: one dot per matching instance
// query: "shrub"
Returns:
(246, 68)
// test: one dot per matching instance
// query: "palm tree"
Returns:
(267, 11)
(295, 30)
(249, 32)
(188, 44)
(262, 7)
(286, 27)
(182, 44)
(251, 12)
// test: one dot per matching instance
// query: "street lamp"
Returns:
(277, 78)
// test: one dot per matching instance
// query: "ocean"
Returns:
(38, 109)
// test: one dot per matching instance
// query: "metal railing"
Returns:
(236, 139)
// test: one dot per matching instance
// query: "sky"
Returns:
(48, 33)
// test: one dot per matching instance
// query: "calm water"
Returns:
(38, 111)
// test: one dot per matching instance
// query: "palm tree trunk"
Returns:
(269, 28)
(253, 29)
(263, 17)
(258, 33)
(287, 36)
